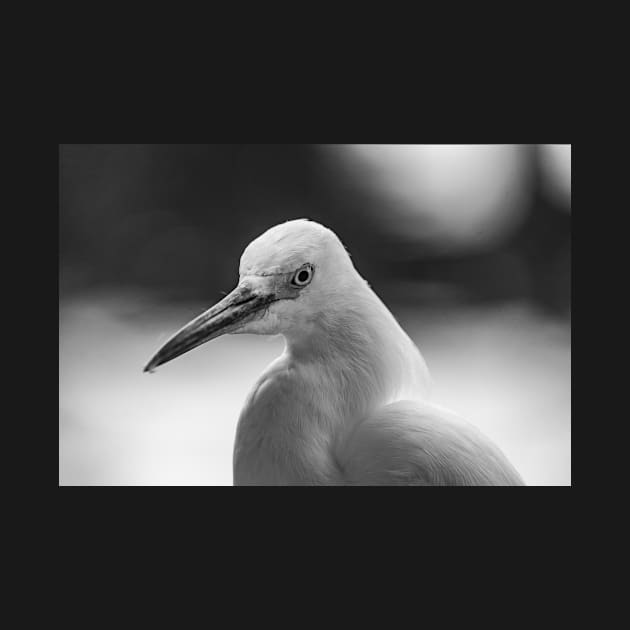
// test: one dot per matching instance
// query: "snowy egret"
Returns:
(347, 403)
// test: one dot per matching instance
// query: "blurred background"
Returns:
(468, 245)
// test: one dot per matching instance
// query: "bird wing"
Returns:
(413, 443)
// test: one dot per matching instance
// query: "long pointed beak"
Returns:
(222, 318)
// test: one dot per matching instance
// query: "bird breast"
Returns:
(286, 431)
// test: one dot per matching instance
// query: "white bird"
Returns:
(347, 403)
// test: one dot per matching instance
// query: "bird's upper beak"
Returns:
(222, 318)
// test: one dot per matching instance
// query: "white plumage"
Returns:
(347, 403)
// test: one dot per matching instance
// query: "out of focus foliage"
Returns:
(423, 224)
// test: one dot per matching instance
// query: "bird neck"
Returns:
(361, 354)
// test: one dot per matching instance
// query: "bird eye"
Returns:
(303, 276)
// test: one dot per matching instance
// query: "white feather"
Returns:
(348, 400)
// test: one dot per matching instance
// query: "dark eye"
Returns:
(303, 276)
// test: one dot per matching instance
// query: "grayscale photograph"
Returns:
(315, 315)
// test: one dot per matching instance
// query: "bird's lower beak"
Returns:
(222, 318)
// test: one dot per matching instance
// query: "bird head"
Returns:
(289, 277)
